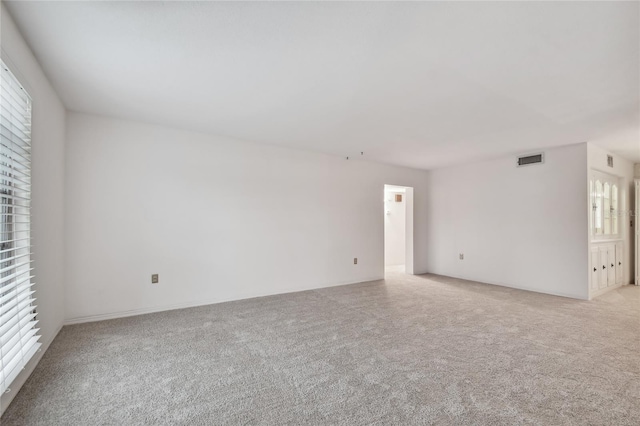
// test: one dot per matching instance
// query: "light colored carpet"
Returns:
(408, 350)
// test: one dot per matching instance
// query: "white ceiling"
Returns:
(415, 84)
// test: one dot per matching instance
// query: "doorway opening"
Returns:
(398, 229)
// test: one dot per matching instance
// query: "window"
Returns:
(604, 217)
(18, 334)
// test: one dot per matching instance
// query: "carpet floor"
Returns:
(406, 350)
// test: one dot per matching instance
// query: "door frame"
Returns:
(408, 228)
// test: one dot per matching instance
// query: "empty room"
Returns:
(325, 213)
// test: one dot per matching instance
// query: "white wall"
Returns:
(522, 227)
(624, 169)
(48, 136)
(394, 228)
(218, 219)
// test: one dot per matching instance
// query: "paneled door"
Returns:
(619, 264)
(603, 262)
(594, 268)
(611, 266)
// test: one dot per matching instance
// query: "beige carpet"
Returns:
(411, 350)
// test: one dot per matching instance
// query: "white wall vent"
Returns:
(610, 160)
(528, 160)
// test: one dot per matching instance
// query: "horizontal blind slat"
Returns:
(13, 284)
(16, 349)
(25, 281)
(20, 244)
(15, 266)
(18, 293)
(12, 258)
(13, 171)
(30, 347)
(20, 206)
(15, 320)
(7, 249)
(11, 177)
(25, 304)
(9, 120)
(12, 140)
(12, 87)
(12, 101)
(14, 276)
(14, 158)
(20, 328)
(13, 348)
(17, 302)
(14, 110)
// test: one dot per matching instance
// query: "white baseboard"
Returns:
(193, 304)
(533, 290)
(602, 291)
(19, 381)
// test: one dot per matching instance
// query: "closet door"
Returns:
(602, 269)
(595, 264)
(611, 265)
(619, 264)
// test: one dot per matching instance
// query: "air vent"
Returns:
(531, 159)
(609, 160)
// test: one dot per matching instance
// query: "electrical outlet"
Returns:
(355, 260)
(461, 256)
(154, 279)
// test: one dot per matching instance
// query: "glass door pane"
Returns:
(614, 209)
(607, 208)
(592, 212)
(598, 208)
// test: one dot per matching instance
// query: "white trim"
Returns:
(568, 295)
(601, 291)
(612, 240)
(193, 304)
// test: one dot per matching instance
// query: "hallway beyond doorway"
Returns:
(398, 229)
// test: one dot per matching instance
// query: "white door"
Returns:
(602, 269)
(619, 264)
(611, 266)
(594, 265)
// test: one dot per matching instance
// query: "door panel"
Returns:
(611, 265)
(619, 264)
(602, 269)
(593, 267)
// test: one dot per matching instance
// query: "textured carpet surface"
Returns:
(407, 350)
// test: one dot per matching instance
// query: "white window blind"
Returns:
(18, 332)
